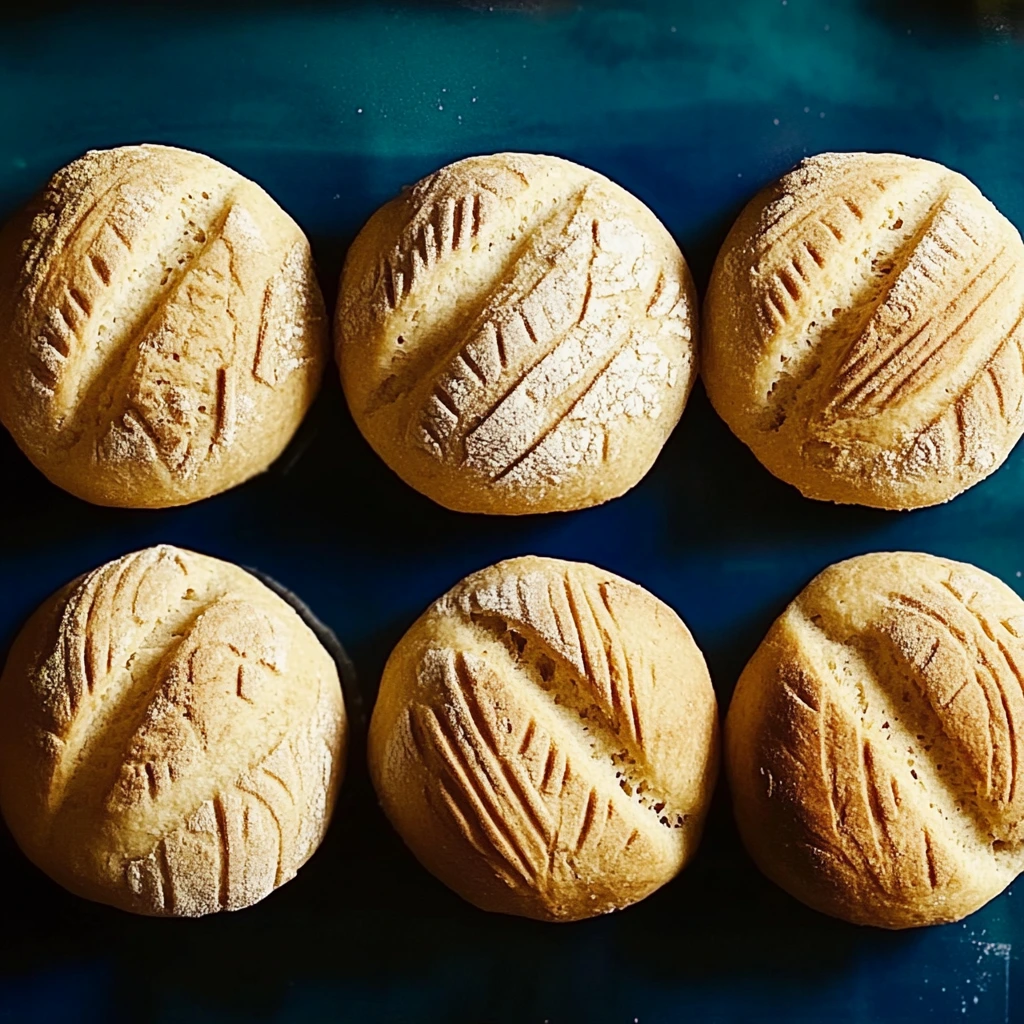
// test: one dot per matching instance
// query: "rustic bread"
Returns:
(516, 334)
(863, 331)
(545, 740)
(172, 736)
(873, 742)
(162, 332)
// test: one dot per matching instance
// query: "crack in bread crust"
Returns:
(434, 347)
(822, 342)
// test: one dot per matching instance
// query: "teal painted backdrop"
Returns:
(332, 107)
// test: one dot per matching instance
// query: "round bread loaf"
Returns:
(162, 332)
(516, 334)
(874, 740)
(546, 740)
(172, 736)
(863, 331)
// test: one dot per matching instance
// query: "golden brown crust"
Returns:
(545, 740)
(516, 334)
(162, 329)
(874, 739)
(172, 736)
(863, 331)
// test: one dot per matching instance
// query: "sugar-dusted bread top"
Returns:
(863, 330)
(875, 739)
(545, 740)
(162, 332)
(516, 334)
(172, 736)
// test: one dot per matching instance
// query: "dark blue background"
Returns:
(332, 107)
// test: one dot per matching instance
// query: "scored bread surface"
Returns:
(863, 330)
(545, 740)
(516, 334)
(172, 736)
(875, 739)
(162, 329)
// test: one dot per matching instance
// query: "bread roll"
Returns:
(863, 331)
(516, 334)
(546, 740)
(161, 329)
(873, 742)
(172, 736)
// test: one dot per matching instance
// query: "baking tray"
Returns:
(332, 107)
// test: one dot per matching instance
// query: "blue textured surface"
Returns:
(332, 107)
